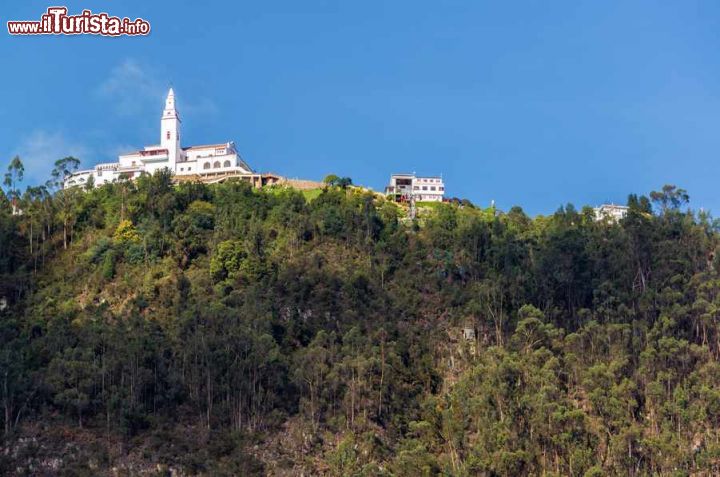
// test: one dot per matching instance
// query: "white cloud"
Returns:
(132, 88)
(135, 88)
(40, 149)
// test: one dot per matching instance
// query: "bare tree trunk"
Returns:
(382, 375)
(209, 397)
(6, 403)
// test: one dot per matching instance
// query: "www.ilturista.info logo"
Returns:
(57, 22)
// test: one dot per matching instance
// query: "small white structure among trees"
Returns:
(407, 187)
(611, 212)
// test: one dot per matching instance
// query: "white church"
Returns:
(200, 161)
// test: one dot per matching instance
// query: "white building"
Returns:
(204, 160)
(16, 210)
(612, 212)
(403, 187)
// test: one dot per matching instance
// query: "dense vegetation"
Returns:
(222, 330)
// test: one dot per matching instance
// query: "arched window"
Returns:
(167, 135)
(226, 164)
(216, 165)
(206, 165)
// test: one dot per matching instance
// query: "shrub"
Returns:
(96, 253)
(135, 254)
(108, 264)
(126, 233)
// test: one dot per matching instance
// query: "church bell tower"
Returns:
(170, 131)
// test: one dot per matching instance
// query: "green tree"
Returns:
(15, 174)
(670, 197)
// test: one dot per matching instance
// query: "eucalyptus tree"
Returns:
(15, 174)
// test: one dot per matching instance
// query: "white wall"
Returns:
(429, 188)
(218, 163)
(151, 167)
(104, 176)
(186, 167)
(128, 159)
(79, 178)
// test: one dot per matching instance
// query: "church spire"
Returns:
(170, 110)
(170, 131)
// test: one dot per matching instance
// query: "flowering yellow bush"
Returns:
(126, 233)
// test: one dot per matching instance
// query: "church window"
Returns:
(216, 164)
(167, 135)
(206, 165)
(226, 164)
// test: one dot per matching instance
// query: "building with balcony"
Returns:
(404, 187)
(203, 160)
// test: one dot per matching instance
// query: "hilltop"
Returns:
(196, 329)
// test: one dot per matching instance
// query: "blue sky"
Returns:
(530, 103)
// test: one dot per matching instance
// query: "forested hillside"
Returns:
(222, 330)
